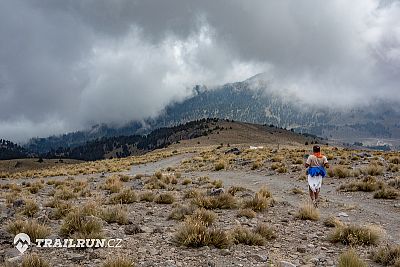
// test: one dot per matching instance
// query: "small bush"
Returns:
(373, 169)
(64, 193)
(113, 184)
(256, 165)
(207, 217)
(127, 196)
(234, 189)
(61, 209)
(165, 198)
(368, 184)
(34, 229)
(297, 191)
(388, 256)
(395, 182)
(354, 235)
(258, 203)
(350, 258)
(219, 166)
(243, 235)
(33, 260)
(147, 196)
(308, 212)
(341, 172)
(30, 208)
(35, 187)
(78, 225)
(248, 213)
(192, 193)
(265, 231)
(332, 222)
(186, 181)
(115, 215)
(118, 262)
(386, 193)
(124, 178)
(218, 184)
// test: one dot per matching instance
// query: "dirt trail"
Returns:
(360, 207)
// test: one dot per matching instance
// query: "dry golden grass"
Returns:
(245, 236)
(219, 166)
(35, 187)
(186, 181)
(32, 228)
(64, 193)
(368, 184)
(350, 258)
(265, 231)
(30, 208)
(114, 214)
(388, 255)
(118, 262)
(395, 183)
(77, 224)
(147, 196)
(180, 212)
(217, 183)
(308, 212)
(355, 235)
(258, 203)
(164, 198)
(373, 169)
(33, 260)
(386, 193)
(340, 172)
(113, 184)
(222, 201)
(332, 221)
(248, 213)
(127, 196)
(204, 216)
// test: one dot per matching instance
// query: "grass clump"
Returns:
(77, 224)
(164, 198)
(368, 184)
(308, 212)
(35, 187)
(217, 183)
(332, 221)
(64, 193)
(258, 203)
(222, 201)
(355, 235)
(113, 184)
(147, 196)
(127, 196)
(340, 172)
(30, 208)
(186, 181)
(33, 260)
(248, 213)
(386, 193)
(373, 169)
(219, 166)
(265, 231)
(350, 258)
(118, 262)
(245, 236)
(388, 256)
(34, 229)
(207, 217)
(180, 212)
(115, 215)
(395, 182)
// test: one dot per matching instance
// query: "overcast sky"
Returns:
(68, 64)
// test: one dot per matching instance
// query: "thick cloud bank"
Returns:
(65, 65)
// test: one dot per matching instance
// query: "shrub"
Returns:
(350, 258)
(297, 191)
(388, 256)
(147, 196)
(180, 212)
(186, 181)
(258, 203)
(207, 217)
(234, 189)
(78, 225)
(35, 187)
(386, 193)
(124, 178)
(118, 262)
(219, 166)
(341, 172)
(368, 184)
(33, 260)
(30, 208)
(127, 196)
(218, 184)
(373, 170)
(256, 165)
(332, 222)
(243, 235)
(354, 235)
(248, 213)
(165, 198)
(61, 209)
(34, 229)
(192, 193)
(265, 231)
(308, 212)
(395, 182)
(282, 169)
(115, 215)
(113, 184)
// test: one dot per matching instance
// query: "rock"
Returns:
(343, 214)
(15, 259)
(216, 191)
(260, 258)
(233, 150)
(18, 203)
(76, 257)
(132, 229)
(301, 249)
(225, 252)
(286, 264)
(210, 264)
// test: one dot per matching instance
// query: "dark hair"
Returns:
(316, 149)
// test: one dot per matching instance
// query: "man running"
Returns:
(316, 164)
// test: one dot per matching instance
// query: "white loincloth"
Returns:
(315, 182)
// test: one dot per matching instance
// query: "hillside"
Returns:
(205, 131)
(9, 150)
(251, 101)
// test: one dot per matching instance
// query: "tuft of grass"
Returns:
(147, 196)
(340, 172)
(124, 178)
(113, 184)
(77, 224)
(118, 262)
(308, 212)
(180, 212)
(248, 213)
(127, 196)
(332, 221)
(115, 215)
(64, 193)
(61, 209)
(368, 184)
(388, 255)
(394, 160)
(355, 235)
(35, 187)
(258, 203)
(395, 182)
(234, 189)
(350, 258)
(373, 169)
(30, 208)
(297, 191)
(217, 183)
(256, 165)
(204, 216)
(222, 201)
(34, 229)
(386, 193)
(164, 198)
(219, 166)
(33, 260)
(245, 236)
(265, 231)
(192, 193)
(186, 181)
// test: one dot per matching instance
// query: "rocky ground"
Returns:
(149, 237)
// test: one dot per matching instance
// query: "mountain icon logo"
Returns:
(22, 242)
